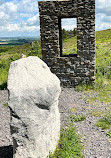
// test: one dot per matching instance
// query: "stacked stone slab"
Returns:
(72, 69)
(33, 103)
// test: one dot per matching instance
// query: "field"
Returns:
(103, 65)
(101, 87)
(103, 59)
(70, 46)
(103, 68)
(11, 53)
(16, 40)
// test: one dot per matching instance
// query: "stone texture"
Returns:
(33, 103)
(79, 70)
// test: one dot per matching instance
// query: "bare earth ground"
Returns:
(96, 144)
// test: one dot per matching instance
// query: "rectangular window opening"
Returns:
(68, 36)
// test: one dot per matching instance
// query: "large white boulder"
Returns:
(33, 102)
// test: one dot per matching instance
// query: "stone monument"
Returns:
(33, 103)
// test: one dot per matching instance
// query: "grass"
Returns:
(6, 104)
(102, 83)
(12, 53)
(103, 54)
(70, 46)
(101, 89)
(105, 122)
(84, 87)
(103, 61)
(109, 133)
(77, 118)
(69, 145)
(5, 48)
(73, 109)
(97, 113)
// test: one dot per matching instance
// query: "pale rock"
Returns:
(33, 103)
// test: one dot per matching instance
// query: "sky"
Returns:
(21, 17)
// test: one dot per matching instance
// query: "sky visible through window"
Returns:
(72, 21)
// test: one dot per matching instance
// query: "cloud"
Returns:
(12, 27)
(18, 16)
(1, 2)
(103, 6)
(103, 18)
(28, 6)
(8, 13)
(11, 7)
(103, 14)
(103, 26)
(69, 27)
(21, 17)
(3, 17)
(19, 27)
(69, 23)
(33, 21)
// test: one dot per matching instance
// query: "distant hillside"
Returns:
(17, 40)
(103, 35)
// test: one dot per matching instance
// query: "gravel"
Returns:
(94, 139)
(96, 143)
(5, 137)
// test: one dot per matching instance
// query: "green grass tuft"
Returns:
(73, 109)
(97, 113)
(6, 104)
(84, 87)
(105, 122)
(69, 145)
(109, 133)
(70, 46)
(77, 118)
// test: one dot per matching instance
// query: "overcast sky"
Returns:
(21, 17)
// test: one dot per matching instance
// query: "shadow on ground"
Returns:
(6, 151)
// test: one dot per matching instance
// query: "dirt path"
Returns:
(94, 139)
(96, 144)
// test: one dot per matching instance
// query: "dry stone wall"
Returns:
(72, 69)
